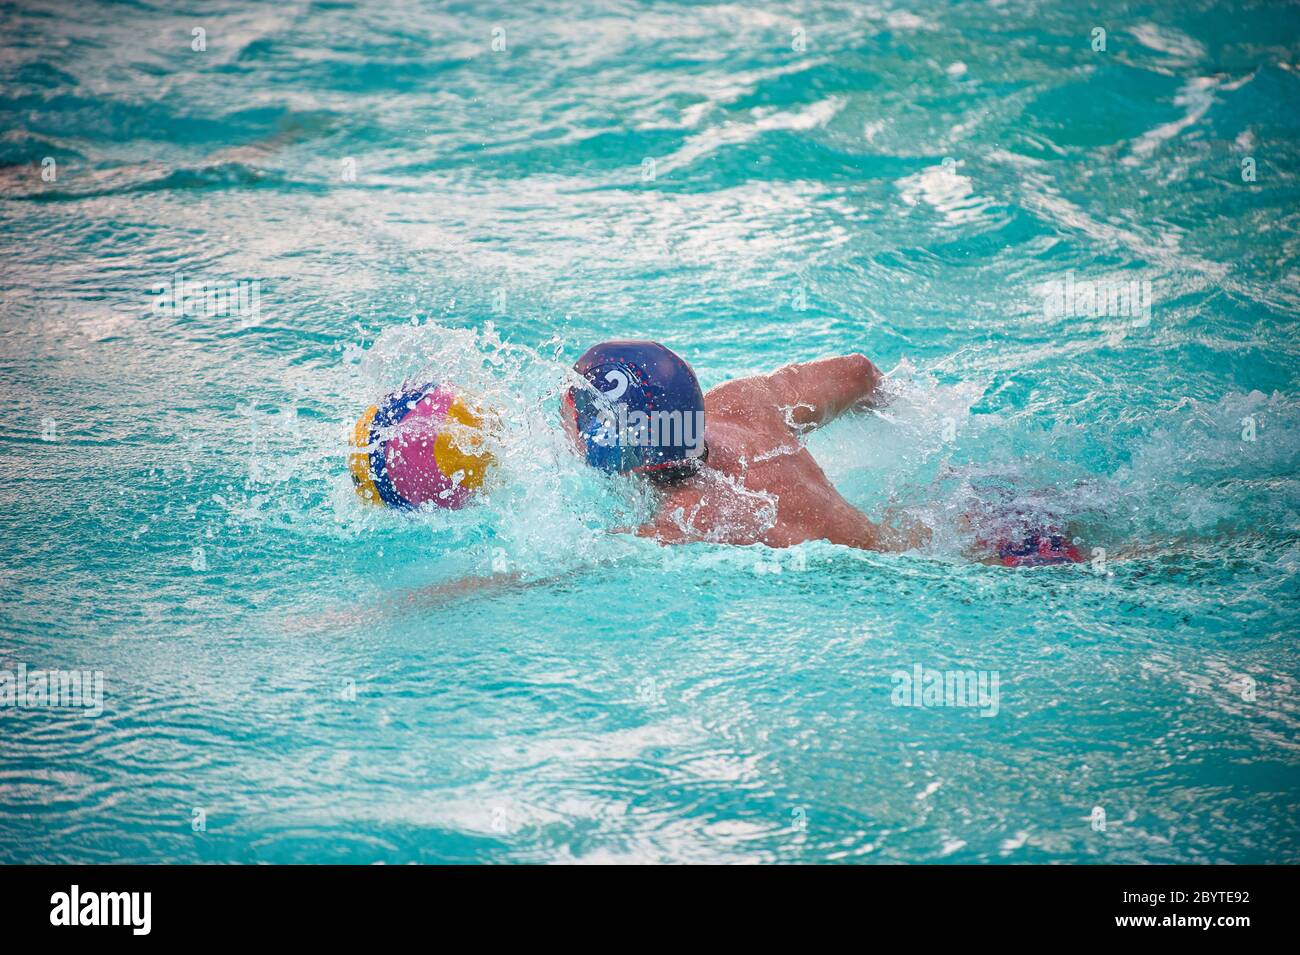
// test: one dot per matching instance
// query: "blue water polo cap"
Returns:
(642, 411)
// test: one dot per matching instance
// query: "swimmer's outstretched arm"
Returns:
(434, 595)
(809, 394)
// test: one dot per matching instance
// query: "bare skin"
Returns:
(760, 485)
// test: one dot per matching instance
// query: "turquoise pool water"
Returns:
(283, 682)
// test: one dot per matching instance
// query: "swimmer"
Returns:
(731, 464)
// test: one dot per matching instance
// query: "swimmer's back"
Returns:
(760, 485)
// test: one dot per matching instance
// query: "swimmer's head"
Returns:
(637, 409)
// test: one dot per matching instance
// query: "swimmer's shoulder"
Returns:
(740, 423)
(740, 398)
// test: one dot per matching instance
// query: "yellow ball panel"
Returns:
(359, 463)
(460, 446)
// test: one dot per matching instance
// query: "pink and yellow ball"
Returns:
(420, 446)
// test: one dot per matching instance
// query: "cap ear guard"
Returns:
(596, 429)
(603, 450)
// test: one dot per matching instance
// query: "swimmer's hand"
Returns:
(910, 535)
(898, 532)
